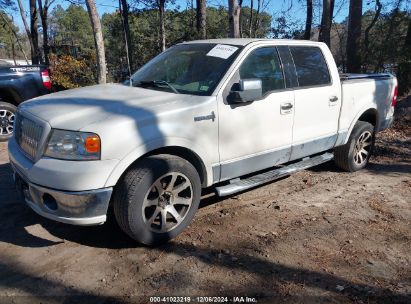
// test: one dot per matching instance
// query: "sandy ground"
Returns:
(321, 235)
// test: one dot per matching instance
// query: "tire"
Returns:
(157, 198)
(7, 115)
(355, 154)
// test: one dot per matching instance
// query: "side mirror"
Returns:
(248, 90)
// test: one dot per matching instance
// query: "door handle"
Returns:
(286, 106)
(333, 98)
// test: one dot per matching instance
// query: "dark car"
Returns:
(17, 84)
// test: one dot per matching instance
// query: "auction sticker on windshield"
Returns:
(222, 51)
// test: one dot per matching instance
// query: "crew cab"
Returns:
(229, 113)
(17, 84)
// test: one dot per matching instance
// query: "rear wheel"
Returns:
(157, 198)
(354, 155)
(7, 116)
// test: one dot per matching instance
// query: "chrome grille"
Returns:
(28, 135)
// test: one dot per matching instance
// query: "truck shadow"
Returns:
(325, 167)
(267, 270)
(15, 277)
(40, 289)
(402, 166)
(389, 169)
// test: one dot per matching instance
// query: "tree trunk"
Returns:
(325, 29)
(98, 41)
(250, 30)
(354, 36)
(26, 27)
(161, 10)
(127, 36)
(234, 18)
(257, 18)
(308, 20)
(23, 18)
(44, 23)
(201, 18)
(35, 54)
(240, 4)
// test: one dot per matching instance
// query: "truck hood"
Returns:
(77, 108)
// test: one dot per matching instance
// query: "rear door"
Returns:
(317, 101)
(258, 134)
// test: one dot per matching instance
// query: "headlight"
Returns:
(73, 145)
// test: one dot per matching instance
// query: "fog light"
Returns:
(49, 202)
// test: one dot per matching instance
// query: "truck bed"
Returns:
(366, 89)
(22, 82)
(348, 76)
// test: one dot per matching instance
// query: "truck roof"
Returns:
(245, 41)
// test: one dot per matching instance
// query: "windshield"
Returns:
(187, 68)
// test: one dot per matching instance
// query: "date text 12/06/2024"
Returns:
(201, 299)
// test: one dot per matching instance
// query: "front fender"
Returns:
(155, 144)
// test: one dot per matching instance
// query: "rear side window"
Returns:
(310, 65)
(264, 64)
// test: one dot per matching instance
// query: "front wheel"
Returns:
(7, 116)
(354, 155)
(157, 199)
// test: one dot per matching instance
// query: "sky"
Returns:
(294, 9)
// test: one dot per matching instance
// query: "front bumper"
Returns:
(77, 208)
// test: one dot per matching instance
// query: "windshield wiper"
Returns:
(157, 83)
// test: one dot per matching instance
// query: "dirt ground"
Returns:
(321, 235)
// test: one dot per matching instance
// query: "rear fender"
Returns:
(343, 140)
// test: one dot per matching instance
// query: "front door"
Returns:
(258, 134)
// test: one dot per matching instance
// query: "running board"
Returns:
(238, 185)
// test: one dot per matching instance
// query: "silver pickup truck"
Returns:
(201, 114)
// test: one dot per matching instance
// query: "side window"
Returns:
(310, 66)
(264, 64)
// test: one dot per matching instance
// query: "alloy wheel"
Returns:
(167, 202)
(6, 122)
(362, 148)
